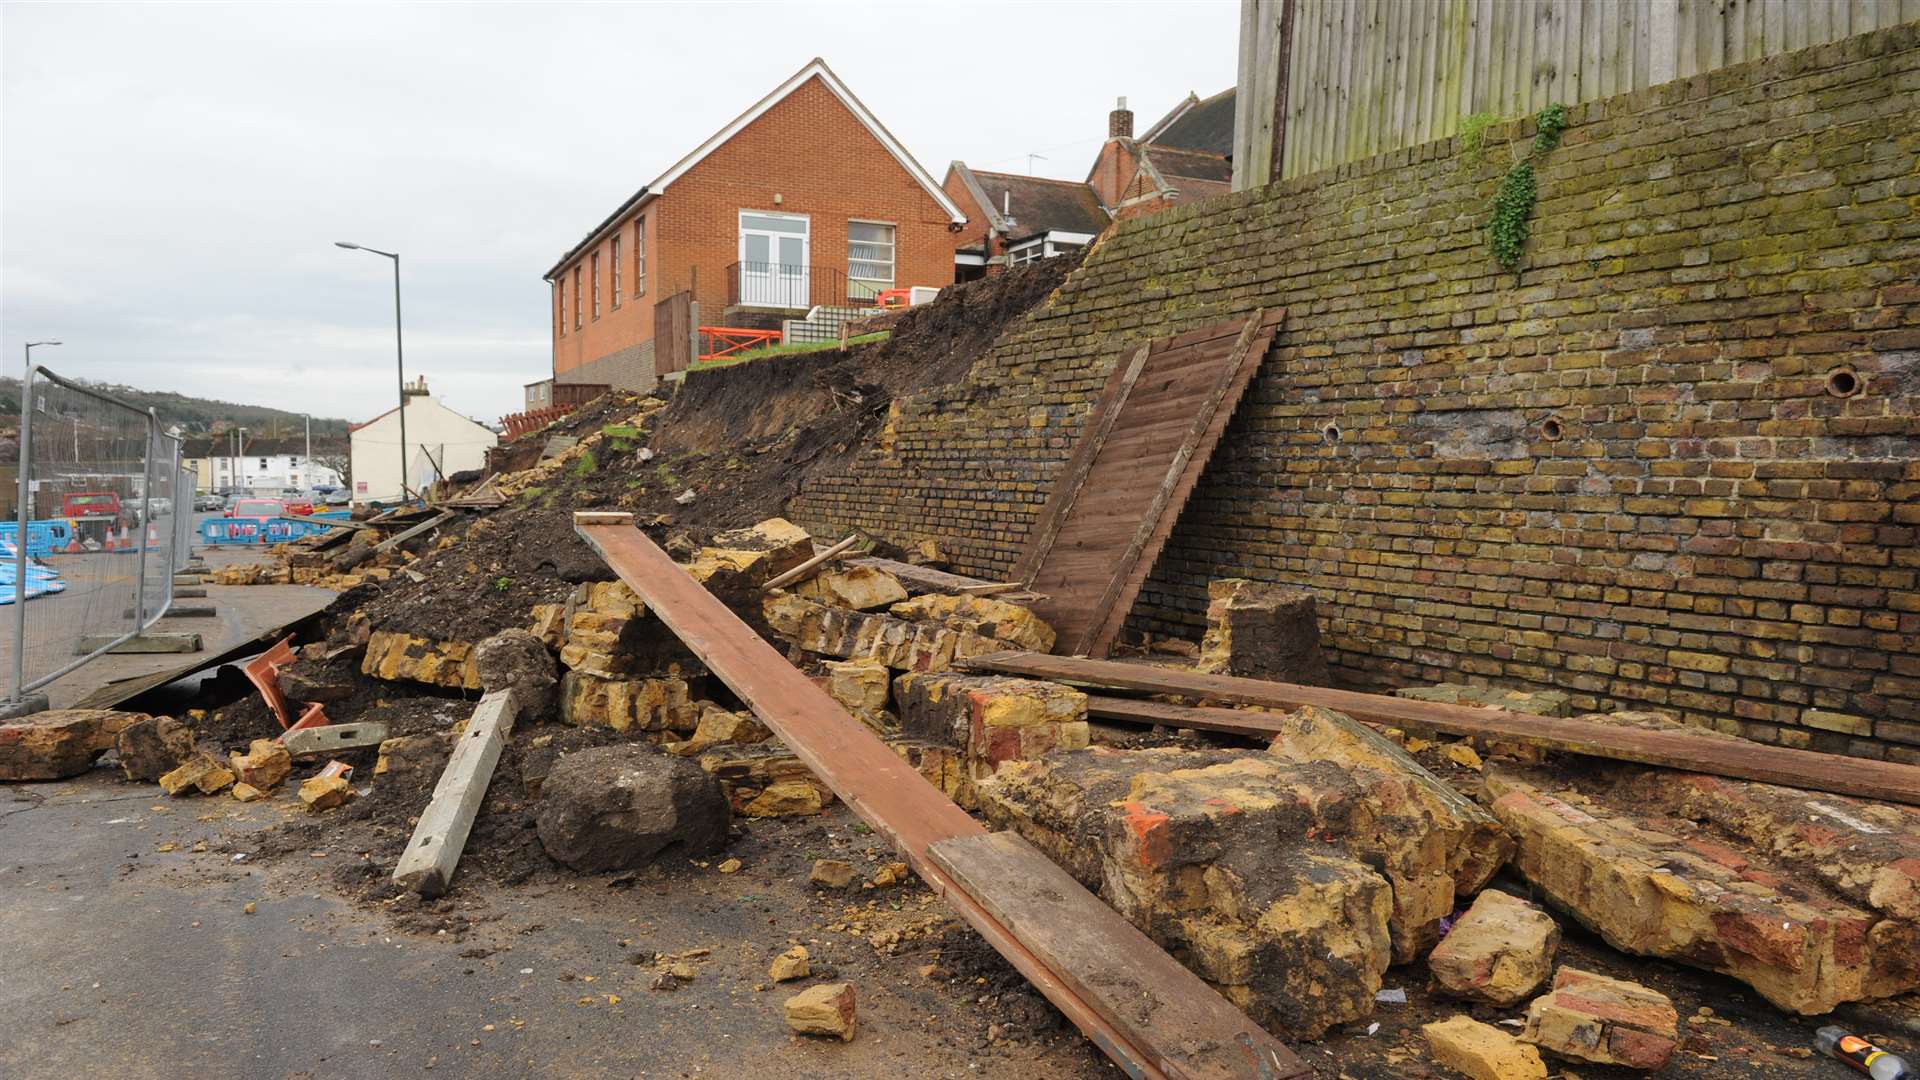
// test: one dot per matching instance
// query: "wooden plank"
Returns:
(330, 524)
(919, 578)
(1806, 769)
(399, 538)
(426, 867)
(807, 568)
(1182, 475)
(1046, 528)
(887, 793)
(1133, 465)
(1149, 993)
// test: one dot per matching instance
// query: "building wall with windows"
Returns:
(806, 163)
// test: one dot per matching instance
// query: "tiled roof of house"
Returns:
(1041, 205)
(1204, 124)
(1191, 164)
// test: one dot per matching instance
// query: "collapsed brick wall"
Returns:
(1709, 532)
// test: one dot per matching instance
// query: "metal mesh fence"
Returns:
(94, 547)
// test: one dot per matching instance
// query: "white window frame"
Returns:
(893, 258)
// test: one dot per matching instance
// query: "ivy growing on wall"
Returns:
(1513, 203)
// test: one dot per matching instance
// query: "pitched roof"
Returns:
(1191, 164)
(1204, 124)
(815, 68)
(1038, 204)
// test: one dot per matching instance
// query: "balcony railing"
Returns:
(792, 285)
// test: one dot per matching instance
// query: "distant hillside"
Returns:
(196, 415)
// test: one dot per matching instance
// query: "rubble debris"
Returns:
(1654, 884)
(994, 719)
(1481, 1052)
(152, 746)
(440, 837)
(827, 1009)
(1091, 952)
(859, 588)
(265, 764)
(790, 965)
(862, 687)
(202, 772)
(1260, 869)
(1590, 1017)
(897, 643)
(831, 873)
(1262, 632)
(59, 743)
(893, 873)
(982, 616)
(247, 793)
(393, 655)
(413, 755)
(813, 563)
(766, 780)
(752, 556)
(1499, 952)
(718, 726)
(1689, 750)
(325, 792)
(516, 660)
(618, 807)
(663, 704)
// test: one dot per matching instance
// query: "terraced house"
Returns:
(803, 200)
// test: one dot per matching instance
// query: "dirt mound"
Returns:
(733, 446)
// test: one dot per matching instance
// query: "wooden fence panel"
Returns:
(1368, 76)
(672, 334)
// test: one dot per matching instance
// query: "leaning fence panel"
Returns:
(156, 532)
(76, 583)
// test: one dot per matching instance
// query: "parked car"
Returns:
(94, 514)
(339, 497)
(208, 502)
(258, 509)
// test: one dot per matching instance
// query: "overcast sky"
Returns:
(173, 176)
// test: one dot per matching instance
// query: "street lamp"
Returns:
(399, 352)
(29, 366)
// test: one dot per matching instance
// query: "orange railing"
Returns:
(725, 342)
(522, 423)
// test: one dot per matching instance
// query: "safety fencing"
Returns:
(106, 513)
(216, 531)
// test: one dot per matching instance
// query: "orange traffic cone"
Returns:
(73, 544)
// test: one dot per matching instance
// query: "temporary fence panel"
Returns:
(183, 492)
(97, 465)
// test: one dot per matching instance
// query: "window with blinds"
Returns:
(869, 259)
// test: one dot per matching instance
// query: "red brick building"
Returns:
(1013, 219)
(803, 199)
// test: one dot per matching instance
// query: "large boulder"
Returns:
(516, 660)
(1262, 632)
(60, 743)
(1809, 900)
(153, 746)
(1291, 879)
(620, 807)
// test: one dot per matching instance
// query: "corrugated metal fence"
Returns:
(1369, 76)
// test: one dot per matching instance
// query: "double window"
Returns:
(560, 304)
(869, 259)
(596, 285)
(576, 298)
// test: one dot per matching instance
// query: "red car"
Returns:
(261, 509)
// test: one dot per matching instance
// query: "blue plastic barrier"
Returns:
(40, 580)
(43, 537)
(260, 530)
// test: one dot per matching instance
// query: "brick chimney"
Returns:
(1120, 121)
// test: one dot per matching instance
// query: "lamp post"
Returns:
(399, 352)
(29, 367)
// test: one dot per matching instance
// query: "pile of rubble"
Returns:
(1298, 873)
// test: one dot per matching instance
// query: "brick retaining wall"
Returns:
(1708, 532)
